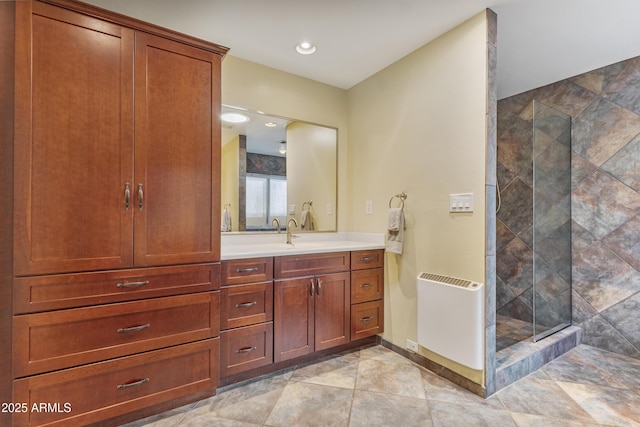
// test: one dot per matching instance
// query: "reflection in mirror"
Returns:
(274, 169)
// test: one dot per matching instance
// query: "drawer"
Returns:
(367, 259)
(33, 294)
(367, 319)
(308, 265)
(367, 285)
(247, 270)
(44, 342)
(244, 305)
(99, 391)
(246, 348)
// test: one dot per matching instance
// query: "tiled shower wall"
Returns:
(605, 198)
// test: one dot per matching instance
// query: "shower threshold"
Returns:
(525, 357)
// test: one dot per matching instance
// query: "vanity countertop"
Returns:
(238, 246)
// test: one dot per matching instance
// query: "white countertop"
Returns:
(253, 245)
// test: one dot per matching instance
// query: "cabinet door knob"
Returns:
(132, 384)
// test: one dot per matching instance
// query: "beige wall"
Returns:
(419, 126)
(256, 87)
(311, 172)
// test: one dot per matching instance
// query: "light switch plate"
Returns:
(462, 202)
(368, 207)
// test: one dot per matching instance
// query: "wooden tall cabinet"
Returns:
(112, 212)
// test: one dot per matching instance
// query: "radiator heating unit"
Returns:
(450, 318)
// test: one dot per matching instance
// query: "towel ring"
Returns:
(402, 196)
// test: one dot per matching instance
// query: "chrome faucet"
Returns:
(277, 221)
(289, 235)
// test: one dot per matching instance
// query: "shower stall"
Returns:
(533, 225)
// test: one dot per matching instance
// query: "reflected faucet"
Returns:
(277, 221)
(289, 235)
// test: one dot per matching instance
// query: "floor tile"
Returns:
(338, 371)
(378, 409)
(586, 387)
(313, 405)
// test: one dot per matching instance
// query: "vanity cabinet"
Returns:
(311, 311)
(246, 315)
(367, 293)
(116, 202)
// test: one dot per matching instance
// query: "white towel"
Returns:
(306, 222)
(395, 215)
(226, 221)
(395, 232)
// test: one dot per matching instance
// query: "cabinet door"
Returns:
(332, 310)
(73, 142)
(293, 318)
(177, 153)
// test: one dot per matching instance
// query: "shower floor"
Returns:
(510, 331)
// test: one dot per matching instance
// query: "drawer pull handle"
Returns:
(367, 258)
(127, 196)
(313, 287)
(245, 349)
(366, 319)
(319, 287)
(246, 304)
(246, 270)
(366, 285)
(133, 328)
(132, 284)
(132, 384)
(140, 197)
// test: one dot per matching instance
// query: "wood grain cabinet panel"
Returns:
(73, 142)
(54, 340)
(367, 285)
(107, 389)
(307, 265)
(367, 319)
(177, 153)
(332, 308)
(293, 318)
(311, 314)
(367, 259)
(239, 271)
(244, 305)
(40, 293)
(246, 348)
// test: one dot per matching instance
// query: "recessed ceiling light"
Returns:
(271, 124)
(234, 118)
(305, 48)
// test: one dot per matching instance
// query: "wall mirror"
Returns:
(276, 168)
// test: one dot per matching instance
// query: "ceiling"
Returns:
(539, 41)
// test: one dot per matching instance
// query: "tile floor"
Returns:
(377, 387)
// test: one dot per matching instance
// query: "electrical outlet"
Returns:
(412, 345)
(368, 207)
